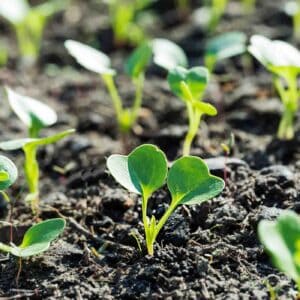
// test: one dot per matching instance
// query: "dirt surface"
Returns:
(209, 251)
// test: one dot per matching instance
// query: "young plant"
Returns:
(37, 238)
(123, 16)
(29, 23)
(96, 61)
(224, 46)
(33, 113)
(292, 8)
(31, 167)
(217, 10)
(283, 61)
(145, 170)
(189, 86)
(281, 239)
(8, 175)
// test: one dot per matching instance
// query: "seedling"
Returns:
(189, 86)
(33, 113)
(8, 175)
(135, 67)
(145, 170)
(292, 8)
(224, 46)
(217, 10)
(31, 166)
(29, 23)
(281, 239)
(283, 61)
(124, 22)
(37, 238)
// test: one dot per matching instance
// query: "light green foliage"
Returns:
(217, 10)
(135, 67)
(249, 5)
(124, 20)
(33, 113)
(283, 61)
(145, 170)
(37, 238)
(189, 86)
(31, 166)
(8, 173)
(292, 8)
(29, 23)
(224, 46)
(281, 238)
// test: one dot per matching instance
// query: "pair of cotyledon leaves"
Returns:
(37, 238)
(164, 52)
(281, 238)
(145, 170)
(8, 173)
(277, 56)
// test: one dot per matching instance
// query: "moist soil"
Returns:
(207, 251)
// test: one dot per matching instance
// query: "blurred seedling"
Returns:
(281, 239)
(29, 23)
(217, 10)
(31, 167)
(283, 61)
(189, 85)
(163, 52)
(33, 113)
(292, 8)
(145, 170)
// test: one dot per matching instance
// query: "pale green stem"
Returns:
(5, 248)
(139, 85)
(286, 125)
(296, 23)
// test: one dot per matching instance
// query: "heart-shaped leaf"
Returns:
(190, 182)
(37, 238)
(15, 11)
(195, 78)
(227, 45)
(8, 173)
(30, 111)
(90, 58)
(27, 142)
(138, 60)
(168, 55)
(281, 238)
(143, 171)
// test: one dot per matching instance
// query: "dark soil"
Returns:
(209, 251)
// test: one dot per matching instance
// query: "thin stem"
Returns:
(286, 126)
(139, 85)
(116, 99)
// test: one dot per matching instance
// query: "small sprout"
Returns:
(31, 166)
(145, 170)
(33, 113)
(29, 23)
(135, 67)
(37, 238)
(281, 239)
(292, 8)
(189, 86)
(283, 61)
(8, 175)
(123, 16)
(224, 46)
(217, 10)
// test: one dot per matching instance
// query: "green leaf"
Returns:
(168, 55)
(281, 238)
(195, 78)
(14, 11)
(90, 58)
(138, 60)
(205, 108)
(37, 238)
(227, 45)
(143, 171)
(27, 142)
(31, 112)
(8, 173)
(190, 182)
